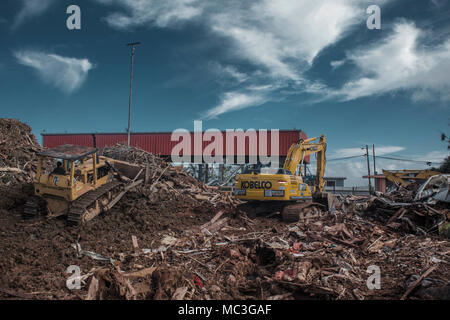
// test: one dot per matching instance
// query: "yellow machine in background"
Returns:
(83, 187)
(284, 184)
(405, 177)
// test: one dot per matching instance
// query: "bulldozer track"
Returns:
(31, 208)
(79, 206)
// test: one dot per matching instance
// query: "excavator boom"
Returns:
(298, 152)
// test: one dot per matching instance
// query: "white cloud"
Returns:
(228, 71)
(398, 63)
(31, 8)
(438, 3)
(280, 38)
(65, 73)
(285, 36)
(161, 13)
(336, 64)
(232, 101)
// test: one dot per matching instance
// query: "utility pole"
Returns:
(374, 167)
(132, 45)
(368, 169)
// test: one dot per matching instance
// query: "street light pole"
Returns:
(132, 45)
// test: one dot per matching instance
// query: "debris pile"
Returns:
(17, 152)
(418, 208)
(123, 152)
(172, 237)
(235, 257)
(165, 182)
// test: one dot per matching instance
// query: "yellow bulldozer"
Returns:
(82, 185)
(283, 185)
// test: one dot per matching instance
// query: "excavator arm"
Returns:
(297, 153)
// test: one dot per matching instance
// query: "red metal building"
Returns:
(160, 142)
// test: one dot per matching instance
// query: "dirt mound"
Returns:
(17, 152)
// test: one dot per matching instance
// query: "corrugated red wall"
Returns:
(160, 143)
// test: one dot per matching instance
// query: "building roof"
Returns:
(68, 152)
(145, 132)
(377, 176)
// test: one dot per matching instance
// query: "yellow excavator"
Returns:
(82, 185)
(283, 184)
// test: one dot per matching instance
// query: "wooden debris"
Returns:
(180, 293)
(140, 274)
(416, 283)
(136, 248)
(93, 289)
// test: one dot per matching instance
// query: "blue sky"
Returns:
(310, 65)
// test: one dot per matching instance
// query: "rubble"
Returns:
(175, 238)
(167, 182)
(436, 188)
(330, 262)
(17, 152)
(418, 208)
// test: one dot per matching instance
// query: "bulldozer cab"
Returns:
(79, 171)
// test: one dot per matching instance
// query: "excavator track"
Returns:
(31, 208)
(290, 211)
(79, 209)
(302, 212)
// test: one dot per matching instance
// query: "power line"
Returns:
(409, 160)
(344, 158)
(382, 157)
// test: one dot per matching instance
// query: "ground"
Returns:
(250, 257)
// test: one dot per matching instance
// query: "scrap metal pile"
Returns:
(419, 208)
(175, 238)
